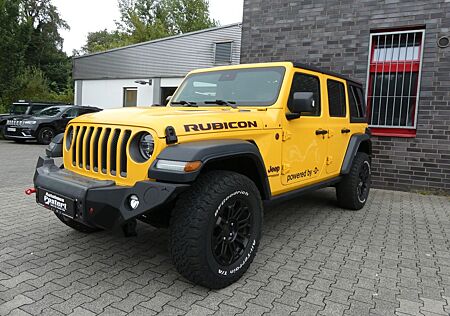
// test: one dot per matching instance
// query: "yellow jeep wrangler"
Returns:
(231, 138)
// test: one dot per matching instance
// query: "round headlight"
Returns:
(146, 146)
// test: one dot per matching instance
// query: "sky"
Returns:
(84, 16)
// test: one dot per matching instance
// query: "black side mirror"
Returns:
(302, 102)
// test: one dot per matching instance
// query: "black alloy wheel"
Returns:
(232, 232)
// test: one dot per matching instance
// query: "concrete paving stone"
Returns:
(390, 258)
(68, 306)
(307, 309)
(37, 307)
(18, 312)
(158, 301)
(333, 309)
(98, 305)
(16, 302)
(16, 280)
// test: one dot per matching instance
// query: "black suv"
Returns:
(23, 108)
(45, 124)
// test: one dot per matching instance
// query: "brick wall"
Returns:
(335, 35)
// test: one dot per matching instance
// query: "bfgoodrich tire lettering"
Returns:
(205, 214)
(352, 192)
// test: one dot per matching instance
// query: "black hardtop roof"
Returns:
(325, 72)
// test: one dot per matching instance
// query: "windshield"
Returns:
(252, 87)
(18, 109)
(53, 111)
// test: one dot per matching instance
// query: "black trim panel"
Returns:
(296, 193)
(352, 149)
(208, 151)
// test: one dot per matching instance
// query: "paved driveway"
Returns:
(393, 257)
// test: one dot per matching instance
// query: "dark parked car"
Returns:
(23, 108)
(44, 125)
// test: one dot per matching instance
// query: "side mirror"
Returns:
(302, 102)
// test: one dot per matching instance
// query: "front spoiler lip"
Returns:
(101, 203)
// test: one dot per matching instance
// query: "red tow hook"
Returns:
(30, 191)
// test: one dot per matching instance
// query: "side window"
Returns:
(336, 98)
(306, 83)
(357, 111)
(71, 113)
(37, 108)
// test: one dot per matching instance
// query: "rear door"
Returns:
(339, 129)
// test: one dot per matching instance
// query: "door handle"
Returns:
(321, 132)
(345, 131)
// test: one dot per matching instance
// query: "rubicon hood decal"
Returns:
(219, 126)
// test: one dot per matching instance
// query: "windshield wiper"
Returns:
(223, 102)
(185, 103)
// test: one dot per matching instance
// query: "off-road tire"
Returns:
(348, 194)
(195, 221)
(77, 225)
(41, 135)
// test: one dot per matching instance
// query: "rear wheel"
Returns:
(215, 229)
(45, 135)
(77, 225)
(352, 192)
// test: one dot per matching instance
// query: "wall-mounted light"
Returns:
(145, 82)
(443, 41)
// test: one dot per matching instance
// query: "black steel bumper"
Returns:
(102, 203)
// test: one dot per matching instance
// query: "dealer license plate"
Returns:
(57, 203)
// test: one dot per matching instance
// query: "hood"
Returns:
(19, 118)
(184, 120)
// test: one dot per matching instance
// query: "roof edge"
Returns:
(159, 40)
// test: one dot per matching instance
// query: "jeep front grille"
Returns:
(98, 149)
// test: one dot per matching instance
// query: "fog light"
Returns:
(133, 201)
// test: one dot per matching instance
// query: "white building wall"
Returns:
(108, 94)
(171, 82)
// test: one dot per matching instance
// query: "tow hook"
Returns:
(30, 191)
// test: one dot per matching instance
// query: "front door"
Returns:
(339, 129)
(304, 146)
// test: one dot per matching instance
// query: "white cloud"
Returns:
(84, 16)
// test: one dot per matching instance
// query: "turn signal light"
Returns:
(192, 166)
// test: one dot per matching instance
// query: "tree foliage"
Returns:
(32, 63)
(145, 20)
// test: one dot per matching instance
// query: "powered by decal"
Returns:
(55, 202)
(219, 126)
(304, 174)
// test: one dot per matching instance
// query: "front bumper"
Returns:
(19, 133)
(100, 203)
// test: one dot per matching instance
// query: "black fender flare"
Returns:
(353, 147)
(208, 151)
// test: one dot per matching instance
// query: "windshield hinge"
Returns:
(171, 135)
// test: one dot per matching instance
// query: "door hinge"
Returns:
(285, 168)
(329, 160)
(286, 135)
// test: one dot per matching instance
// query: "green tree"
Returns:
(44, 49)
(13, 41)
(145, 20)
(32, 63)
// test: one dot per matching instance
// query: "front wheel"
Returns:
(215, 229)
(352, 192)
(45, 135)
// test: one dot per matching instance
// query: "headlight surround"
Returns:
(146, 146)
